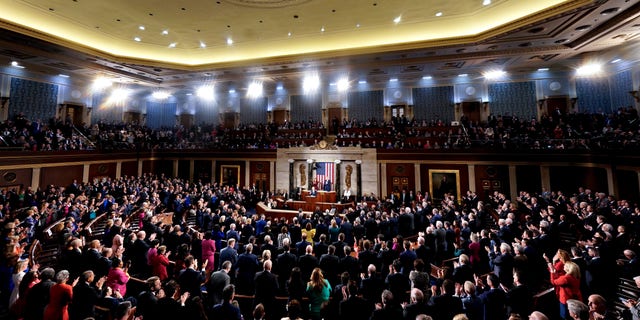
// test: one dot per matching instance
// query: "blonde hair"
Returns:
(572, 269)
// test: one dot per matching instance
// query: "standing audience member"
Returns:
(318, 290)
(60, 298)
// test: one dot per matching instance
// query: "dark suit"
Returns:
(285, 262)
(307, 263)
(330, 264)
(387, 312)
(225, 311)
(446, 306)
(37, 300)
(190, 281)
(215, 285)
(266, 291)
(518, 301)
(354, 309)
(84, 301)
(494, 303)
(247, 267)
(412, 310)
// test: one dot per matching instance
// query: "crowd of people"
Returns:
(380, 259)
(587, 132)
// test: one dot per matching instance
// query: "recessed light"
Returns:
(393, 80)
(543, 69)
(189, 94)
(322, 29)
(137, 39)
(14, 63)
(439, 14)
(279, 87)
(203, 45)
(232, 91)
(616, 60)
(63, 75)
(229, 41)
(357, 25)
(165, 32)
(426, 78)
(141, 27)
(289, 34)
(463, 75)
(397, 19)
(486, 2)
(172, 45)
(362, 81)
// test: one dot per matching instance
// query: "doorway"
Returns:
(280, 116)
(73, 114)
(471, 110)
(132, 117)
(335, 119)
(557, 106)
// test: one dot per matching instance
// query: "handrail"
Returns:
(47, 231)
(82, 135)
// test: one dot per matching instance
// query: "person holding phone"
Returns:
(633, 305)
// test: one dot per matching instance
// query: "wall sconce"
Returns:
(291, 161)
(635, 95)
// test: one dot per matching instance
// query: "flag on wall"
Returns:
(324, 171)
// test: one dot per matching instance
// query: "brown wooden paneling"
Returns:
(60, 176)
(490, 178)
(202, 170)
(627, 185)
(184, 166)
(14, 177)
(102, 170)
(129, 168)
(260, 175)
(569, 178)
(401, 175)
(528, 178)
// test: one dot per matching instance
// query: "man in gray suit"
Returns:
(217, 282)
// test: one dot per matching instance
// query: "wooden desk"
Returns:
(262, 208)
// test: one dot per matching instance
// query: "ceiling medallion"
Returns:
(268, 3)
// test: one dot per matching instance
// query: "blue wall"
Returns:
(513, 98)
(253, 110)
(433, 103)
(35, 100)
(621, 84)
(593, 95)
(364, 105)
(306, 107)
(161, 114)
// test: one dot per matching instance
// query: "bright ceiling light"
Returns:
(160, 95)
(229, 41)
(16, 64)
(393, 80)
(205, 92)
(119, 95)
(203, 45)
(63, 75)
(254, 90)
(616, 60)
(289, 34)
(439, 14)
(322, 29)
(426, 78)
(137, 39)
(591, 69)
(101, 83)
(543, 69)
(463, 75)
(494, 74)
(343, 84)
(279, 87)
(141, 27)
(362, 82)
(486, 2)
(165, 32)
(397, 19)
(232, 91)
(172, 45)
(311, 83)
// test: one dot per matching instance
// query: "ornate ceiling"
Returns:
(278, 41)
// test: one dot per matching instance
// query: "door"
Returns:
(229, 120)
(73, 114)
(280, 116)
(335, 118)
(132, 117)
(557, 106)
(471, 110)
(186, 120)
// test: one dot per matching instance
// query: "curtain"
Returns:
(306, 107)
(593, 95)
(365, 105)
(35, 100)
(161, 114)
(253, 110)
(621, 84)
(433, 103)
(513, 98)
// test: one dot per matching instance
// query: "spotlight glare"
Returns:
(205, 92)
(495, 74)
(160, 95)
(591, 69)
(343, 84)
(311, 83)
(254, 90)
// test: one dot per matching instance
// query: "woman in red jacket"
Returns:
(60, 297)
(160, 262)
(567, 285)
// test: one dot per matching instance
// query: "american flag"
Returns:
(324, 171)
